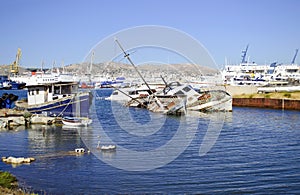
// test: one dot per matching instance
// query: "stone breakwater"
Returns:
(286, 104)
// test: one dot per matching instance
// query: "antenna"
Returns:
(244, 53)
(294, 58)
(63, 66)
(42, 64)
(53, 65)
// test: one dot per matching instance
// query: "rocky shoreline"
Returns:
(9, 185)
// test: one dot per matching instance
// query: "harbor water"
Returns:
(257, 151)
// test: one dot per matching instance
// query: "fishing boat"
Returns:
(75, 121)
(53, 96)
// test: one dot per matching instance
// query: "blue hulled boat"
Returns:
(56, 97)
(17, 85)
(6, 83)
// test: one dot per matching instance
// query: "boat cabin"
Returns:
(41, 93)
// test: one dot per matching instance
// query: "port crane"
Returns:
(14, 67)
(244, 53)
(294, 58)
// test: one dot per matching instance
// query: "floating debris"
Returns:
(17, 160)
(79, 150)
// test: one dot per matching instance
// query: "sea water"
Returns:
(255, 151)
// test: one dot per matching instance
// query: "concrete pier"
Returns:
(286, 104)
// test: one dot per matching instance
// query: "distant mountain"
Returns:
(122, 69)
(119, 68)
(5, 69)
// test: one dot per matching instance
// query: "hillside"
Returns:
(114, 68)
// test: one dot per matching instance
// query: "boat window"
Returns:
(28, 92)
(133, 92)
(186, 89)
(179, 93)
(56, 89)
(115, 93)
(37, 91)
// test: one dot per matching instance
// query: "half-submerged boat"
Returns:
(54, 96)
(206, 101)
(173, 105)
(177, 98)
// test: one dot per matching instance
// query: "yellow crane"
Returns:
(14, 67)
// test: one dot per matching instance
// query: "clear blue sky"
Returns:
(67, 29)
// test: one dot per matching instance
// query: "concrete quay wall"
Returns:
(267, 103)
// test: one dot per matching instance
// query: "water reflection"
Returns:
(53, 141)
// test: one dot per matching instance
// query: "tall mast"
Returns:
(53, 65)
(91, 66)
(42, 69)
(63, 66)
(126, 55)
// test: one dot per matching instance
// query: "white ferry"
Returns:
(250, 73)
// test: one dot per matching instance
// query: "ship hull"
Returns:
(68, 106)
(15, 85)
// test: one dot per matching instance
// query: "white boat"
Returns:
(250, 73)
(119, 82)
(76, 121)
(209, 100)
(246, 73)
(106, 147)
